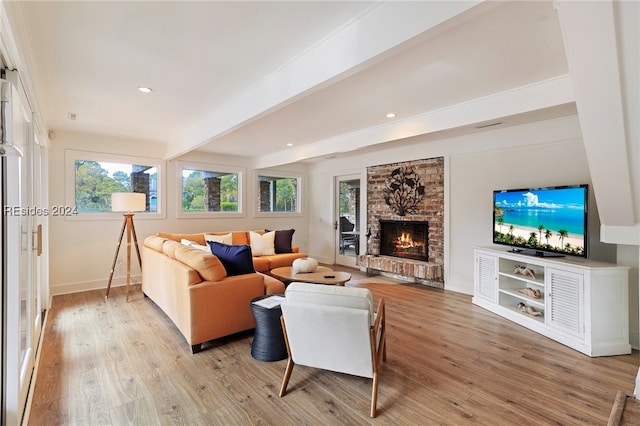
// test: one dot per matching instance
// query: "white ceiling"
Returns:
(208, 60)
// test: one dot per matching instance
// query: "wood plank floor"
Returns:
(449, 362)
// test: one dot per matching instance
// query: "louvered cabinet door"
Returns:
(565, 298)
(486, 277)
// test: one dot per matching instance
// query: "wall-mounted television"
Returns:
(549, 221)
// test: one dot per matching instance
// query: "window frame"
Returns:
(214, 168)
(71, 156)
(284, 175)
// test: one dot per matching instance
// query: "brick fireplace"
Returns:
(420, 257)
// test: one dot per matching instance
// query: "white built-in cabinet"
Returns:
(581, 303)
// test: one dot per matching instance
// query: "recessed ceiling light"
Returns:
(289, 144)
(391, 115)
(145, 89)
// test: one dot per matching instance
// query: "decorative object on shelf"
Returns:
(536, 294)
(529, 309)
(127, 202)
(403, 191)
(305, 264)
(523, 270)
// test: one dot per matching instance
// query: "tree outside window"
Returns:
(277, 194)
(95, 181)
(209, 191)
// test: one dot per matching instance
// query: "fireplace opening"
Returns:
(406, 239)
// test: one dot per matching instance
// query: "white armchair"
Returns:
(334, 328)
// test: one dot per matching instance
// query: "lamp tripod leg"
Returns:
(135, 240)
(115, 258)
(129, 226)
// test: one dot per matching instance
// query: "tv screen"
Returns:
(542, 221)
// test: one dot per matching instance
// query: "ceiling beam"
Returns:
(359, 44)
(589, 34)
(532, 97)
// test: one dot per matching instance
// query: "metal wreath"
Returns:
(403, 191)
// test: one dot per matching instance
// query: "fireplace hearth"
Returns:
(404, 239)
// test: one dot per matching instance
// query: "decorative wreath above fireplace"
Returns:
(403, 191)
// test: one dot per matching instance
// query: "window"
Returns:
(209, 190)
(96, 176)
(278, 193)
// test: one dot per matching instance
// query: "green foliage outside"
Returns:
(94, 186)
(193, 187)
(286, 195)
(344, 199)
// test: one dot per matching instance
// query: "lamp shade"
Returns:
(128, 202)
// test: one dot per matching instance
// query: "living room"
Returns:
(537, 136)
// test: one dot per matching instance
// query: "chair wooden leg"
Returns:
(287, 375)
(384, 349)
(374, 394)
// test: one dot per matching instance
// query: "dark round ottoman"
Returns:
(268, 341)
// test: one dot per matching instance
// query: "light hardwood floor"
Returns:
(449, 362)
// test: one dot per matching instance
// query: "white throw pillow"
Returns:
(195, 245)
(225, 239)
(262, 245)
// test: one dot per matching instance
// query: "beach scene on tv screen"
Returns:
(548, 219)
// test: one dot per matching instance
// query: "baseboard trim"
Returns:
(77, 287)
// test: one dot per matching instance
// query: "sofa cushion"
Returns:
(169, 248)
(155, 242)
(240, 237)
(196, 238)
(283, 240)
(221, 238)
(207, 265)
(190, 243)
(262, 264)
(262, 245)
(283, 259)
(237, 259)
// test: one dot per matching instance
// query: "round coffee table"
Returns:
(322, 275)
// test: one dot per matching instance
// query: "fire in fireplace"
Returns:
(406, 239)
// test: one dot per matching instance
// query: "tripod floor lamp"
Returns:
(127, 202)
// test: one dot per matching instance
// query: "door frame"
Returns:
(340, 259)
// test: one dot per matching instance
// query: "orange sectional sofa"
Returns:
(193, 289)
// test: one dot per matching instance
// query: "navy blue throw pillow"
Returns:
(236, 259)
(282, 241)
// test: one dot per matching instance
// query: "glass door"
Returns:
(19, 287)
(347, 219)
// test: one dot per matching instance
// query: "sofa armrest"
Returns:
(220, 308)
(272, 285)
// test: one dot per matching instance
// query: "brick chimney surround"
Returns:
(430, 209)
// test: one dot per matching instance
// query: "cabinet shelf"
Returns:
(537, 303)
(537, 281)
(538, 318)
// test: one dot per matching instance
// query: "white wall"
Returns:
(539, 154)
(475, 176)
(82, 251)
